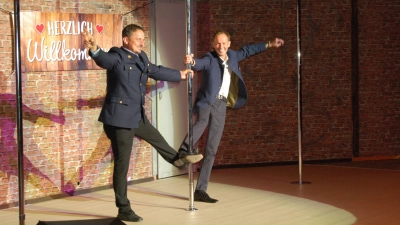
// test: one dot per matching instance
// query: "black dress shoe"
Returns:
(129, 216)
(202, 196)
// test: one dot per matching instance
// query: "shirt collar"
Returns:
(224, 61)
(130, 51)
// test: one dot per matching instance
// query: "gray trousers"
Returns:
(213, 117)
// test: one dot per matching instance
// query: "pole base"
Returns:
(191, 209)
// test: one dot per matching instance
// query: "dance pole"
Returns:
(190, 133)
(17, 57)
(299, 96)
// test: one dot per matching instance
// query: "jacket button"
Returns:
(130, 68)
(120, 102)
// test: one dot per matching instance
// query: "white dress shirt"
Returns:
(226, 79)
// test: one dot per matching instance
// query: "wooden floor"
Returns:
(250, 196)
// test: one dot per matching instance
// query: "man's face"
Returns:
(135, 42)
(221, 45)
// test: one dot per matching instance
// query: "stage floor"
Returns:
(337, 195)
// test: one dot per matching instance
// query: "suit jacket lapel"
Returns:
(143, 61)
(139, 63)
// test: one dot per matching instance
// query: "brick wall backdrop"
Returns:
(326, 49)
(379, 77)
(64, 143)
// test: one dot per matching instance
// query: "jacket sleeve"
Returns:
(107, 60)
(161, 72)
(249, 50)
(202, 63)
(164, 73)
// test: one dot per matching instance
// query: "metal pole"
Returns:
(17, 65)
(355, 100)
(299, 96)
(299, 90)
(190, 132)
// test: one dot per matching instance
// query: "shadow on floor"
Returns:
(106, 221)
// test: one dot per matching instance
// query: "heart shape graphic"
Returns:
(40, 27)
(99, 28)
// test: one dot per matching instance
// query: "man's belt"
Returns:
(223, 98)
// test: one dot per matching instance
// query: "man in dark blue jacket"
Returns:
(122, 114)
(221, 85)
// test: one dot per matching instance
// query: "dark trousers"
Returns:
(122, 143)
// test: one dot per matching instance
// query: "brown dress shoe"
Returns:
(184, 160)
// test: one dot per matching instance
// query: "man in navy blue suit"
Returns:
(221, 85)
(122, 114)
